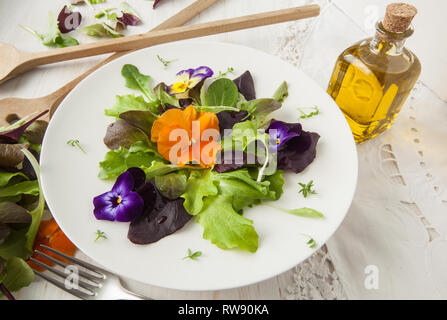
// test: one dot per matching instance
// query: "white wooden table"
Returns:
(274, 40)
(46, 79)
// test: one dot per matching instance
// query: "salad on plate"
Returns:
(202, 147)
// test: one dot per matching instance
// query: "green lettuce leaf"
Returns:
(25, 187)
(276, 184)
(5, 177)
(243, 189)
(18, 274)
(224, 227)
(172, 185)
(140, 155)
(200, 185)
(138, 81)
(282, 92)
(130, 102)
(37, 213)
(15, 245)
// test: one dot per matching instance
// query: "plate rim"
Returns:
(210, 288)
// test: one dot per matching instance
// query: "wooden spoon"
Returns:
(15, 62)
(23, 107)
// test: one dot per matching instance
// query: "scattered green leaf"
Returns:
(303, 212)
(53, 37)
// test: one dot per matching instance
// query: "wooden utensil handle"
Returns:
(176, 20)
(174, 34)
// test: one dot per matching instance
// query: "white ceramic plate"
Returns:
(70, 180)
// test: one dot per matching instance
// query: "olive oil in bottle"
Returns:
(373, 78)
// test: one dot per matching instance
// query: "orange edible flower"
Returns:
(51, 235)
(187, 136)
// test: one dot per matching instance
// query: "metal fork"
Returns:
(93, 283)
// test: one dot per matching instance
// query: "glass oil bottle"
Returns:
(373, 78)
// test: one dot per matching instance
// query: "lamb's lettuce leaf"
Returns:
(222, 92)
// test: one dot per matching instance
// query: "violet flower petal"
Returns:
(121, 203)
(124, 184)
(104, 208)
(283, 132)
(202, 72)
(130, 207)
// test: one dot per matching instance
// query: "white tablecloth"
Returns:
(397, 224)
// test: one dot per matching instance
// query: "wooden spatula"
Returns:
(23, 107)
(15, 62)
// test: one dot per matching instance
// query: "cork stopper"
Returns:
(398, 17)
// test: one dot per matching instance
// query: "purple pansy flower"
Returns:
(122, 203)
(281, 132)
(188, 79)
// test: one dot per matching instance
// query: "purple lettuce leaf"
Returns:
(246, 86)
(238, 160)
(228, 119)
(296, 148)
(299, 152)
(129, 19)
(161, 216)
(68, 20)
(13, 135)
(156, 2)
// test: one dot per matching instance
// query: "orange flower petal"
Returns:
(51, 235)
(182, 147)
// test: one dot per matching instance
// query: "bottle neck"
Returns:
(389, 43)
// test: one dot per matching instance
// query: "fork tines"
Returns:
(75, 281)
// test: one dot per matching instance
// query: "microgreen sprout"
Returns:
(100, 235)
(311, 242)
(75, 143)
(308, 112)
(165, 62)
(221, 74)
(193, 255)
(306, 189)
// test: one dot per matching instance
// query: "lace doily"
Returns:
(398, 220)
